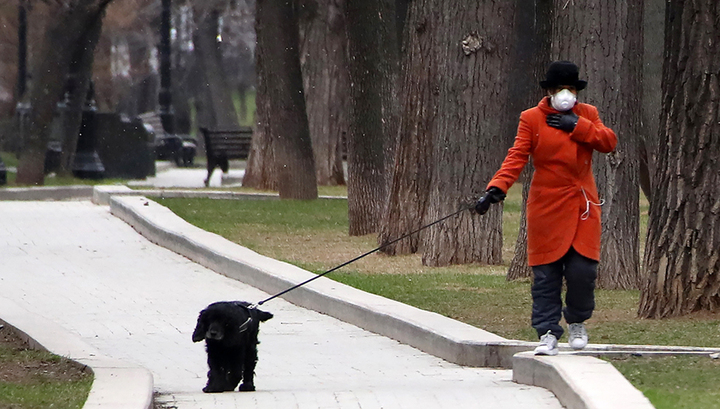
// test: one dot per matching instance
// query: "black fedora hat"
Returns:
(563, 73)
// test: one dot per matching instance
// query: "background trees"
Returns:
(372, 47)
(214, 102)
(279, 57)
(473, 57)
(682, 256)
(325, 78)
(66, 49)
(606, 43)
(426, 95)
(532, 36)
(410, 180)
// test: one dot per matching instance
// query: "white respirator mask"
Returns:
(563, 100)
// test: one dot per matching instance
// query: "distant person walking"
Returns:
(563, 208)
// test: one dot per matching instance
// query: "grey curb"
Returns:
(116, 384)
(579, 382)
(437, 335)
(101, 195)
(79, 192)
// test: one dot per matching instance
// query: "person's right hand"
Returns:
(492, 195)
(565, 121)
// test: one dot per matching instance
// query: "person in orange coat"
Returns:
(563, 208)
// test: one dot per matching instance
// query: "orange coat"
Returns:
(563, 208)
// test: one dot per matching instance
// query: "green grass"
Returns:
(676, 382)
(43, 394)
(486, 301)
(249, 119)
(31, 379)
(9, 159)
(313, 235)
(296, 231)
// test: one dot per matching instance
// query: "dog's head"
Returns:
(226, 321)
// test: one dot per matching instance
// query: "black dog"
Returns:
(230, 331)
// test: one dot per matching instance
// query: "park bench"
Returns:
(222, 146)
(170, 146)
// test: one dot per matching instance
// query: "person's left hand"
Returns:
(565, 121)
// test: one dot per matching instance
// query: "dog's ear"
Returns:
(263, 315)
(200, 328)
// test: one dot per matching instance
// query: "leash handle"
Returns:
(363, 255)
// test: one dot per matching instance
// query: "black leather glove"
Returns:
(492, 195)
(565, 121)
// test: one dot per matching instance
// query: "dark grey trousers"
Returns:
(579, 273)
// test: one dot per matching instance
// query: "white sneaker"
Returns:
(578, 337)
(548, 345)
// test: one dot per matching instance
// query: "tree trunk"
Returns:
(474, 61)
(218, 110)
(607, 47)
(371, 41)
(682, 254)
(519, 267)
(533, 34)
(653, 55)
(49, 74)
(410, 186)
(277, 37)
(261, 172)
(327, 86)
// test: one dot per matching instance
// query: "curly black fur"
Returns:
(230, 331)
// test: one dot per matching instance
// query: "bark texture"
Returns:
(411, 176)
(605, 41)
(327, 85)
(372, 47)
(277, 38)
(260, 172)
(533, 34)
(653, 55)
(682, 255)
(474, 60)
(519, 267)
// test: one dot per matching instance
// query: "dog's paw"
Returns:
(209, 389)
(246, 387)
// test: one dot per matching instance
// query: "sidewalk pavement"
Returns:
(78, 266)
(172, 177)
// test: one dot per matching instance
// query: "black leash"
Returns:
(361, 256)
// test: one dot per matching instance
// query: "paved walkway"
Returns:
(190, 178)
(79, 266)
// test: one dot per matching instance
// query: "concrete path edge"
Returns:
(116, 384)
(437, 335)
(433, 333)
(47, 193)
(579, 382)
